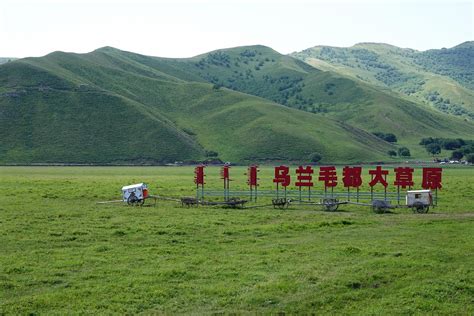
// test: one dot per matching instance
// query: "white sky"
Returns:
(185, 28)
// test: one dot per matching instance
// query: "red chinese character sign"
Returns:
(225, 176)
(329, 176)
(378, 175)
(304, 178)
(199, 179)
(282, 177)
(432, 178)
(252, 180)
(403, 177)
(352, 178)
(199, 175)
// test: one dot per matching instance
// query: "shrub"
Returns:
(392, 153)
(433, 149)
(457, 154)
(315, 157)
(210, 153)
(470, 158)
(404, 152)
(389, 137)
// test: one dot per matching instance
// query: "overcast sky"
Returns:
(185, 28)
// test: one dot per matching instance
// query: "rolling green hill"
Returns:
(442, 78)
(99, 108)
(263, 72)
(247, 104)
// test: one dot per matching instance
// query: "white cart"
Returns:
(135, 194)
(419, 200)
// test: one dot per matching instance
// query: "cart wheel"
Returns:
(378, 209)
(420, 208)
(380, 206)
(330, 205)
(132, 200)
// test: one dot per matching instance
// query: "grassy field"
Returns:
(61, 252)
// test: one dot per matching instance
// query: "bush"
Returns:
(315, 157)
(457, 154)
(392, 153)
(404, 152)
(210, 153)
(433, 149)
(451, 144)
(470, 158)
(389, 137)
(427, 141)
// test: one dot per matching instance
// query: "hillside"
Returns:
(263, 72)
(106, 107)
(442, 78)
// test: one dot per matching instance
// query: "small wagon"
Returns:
(419, 200)
(135, 194)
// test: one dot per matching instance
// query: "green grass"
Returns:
(63, 253)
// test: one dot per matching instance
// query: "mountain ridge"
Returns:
(161, 110)
(407, 71)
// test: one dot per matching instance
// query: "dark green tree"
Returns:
(404, 152)
(470, 158)
(210, 153)
(392, 153)
(433, 149)
(451, 144)
(315, 157)
(391, 138)
(457, 154)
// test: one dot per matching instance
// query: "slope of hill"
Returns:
(46, 118)
(261, 71)
(442, 78)
(108, 106)
(456, 62)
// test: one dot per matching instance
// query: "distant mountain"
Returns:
(443, 78)
(247, 104)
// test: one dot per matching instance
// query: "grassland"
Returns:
(62, 253)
